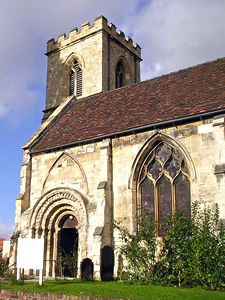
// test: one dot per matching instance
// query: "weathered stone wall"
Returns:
(85, 169)
(103, 173)
(58, 71)
(112, 53)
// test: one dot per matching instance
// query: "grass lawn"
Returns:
(116, 290)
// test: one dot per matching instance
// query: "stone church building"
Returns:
(110, 144)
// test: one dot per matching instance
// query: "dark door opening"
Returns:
(107, 263)
(68, 247)
(87, 269)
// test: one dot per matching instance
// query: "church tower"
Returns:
(92, 60)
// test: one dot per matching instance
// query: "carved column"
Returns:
(49, 258)
(55, 250)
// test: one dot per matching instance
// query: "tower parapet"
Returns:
(101, 23)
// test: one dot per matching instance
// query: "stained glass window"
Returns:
(164, 183)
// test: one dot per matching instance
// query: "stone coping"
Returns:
(22, 295)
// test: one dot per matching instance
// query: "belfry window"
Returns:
(75, 80)
(164, 184)
(119, 75)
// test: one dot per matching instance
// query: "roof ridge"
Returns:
(148, 80)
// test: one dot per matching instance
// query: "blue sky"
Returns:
(173, 34)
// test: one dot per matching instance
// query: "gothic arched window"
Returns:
(163, 184)
(119, 74)
(75, 79)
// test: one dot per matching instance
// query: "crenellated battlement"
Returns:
(100, 50)
(100, 24)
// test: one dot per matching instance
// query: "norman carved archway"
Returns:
(46, 220)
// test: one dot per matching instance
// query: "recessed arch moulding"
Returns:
(44, 221)
(150, 143)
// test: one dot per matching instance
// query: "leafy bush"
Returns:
(68, 262)
(139, 250)
(3, 266)
(192, 251)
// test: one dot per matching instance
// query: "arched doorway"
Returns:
(52, 219)
(68, 246)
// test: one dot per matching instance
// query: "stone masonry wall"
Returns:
(104, 177)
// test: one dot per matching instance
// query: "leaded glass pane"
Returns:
(147, 196)
(177, 154)
(164, 152)
(173, 167)
(182, 194)
(184, 167)
(164, 201)
(155, 169)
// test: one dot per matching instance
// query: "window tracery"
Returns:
(75, 79)
(164, 184)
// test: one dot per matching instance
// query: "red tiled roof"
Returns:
(1, 242)
(181, 94)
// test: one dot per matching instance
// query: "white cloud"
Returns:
(173, 34)
(180, 33)
(5, 229)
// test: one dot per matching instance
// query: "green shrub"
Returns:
(136, 248)
(3, 266)
(192, 251)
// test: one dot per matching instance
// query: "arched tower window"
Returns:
(164, 184)
(120, 80)
(75, 79)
